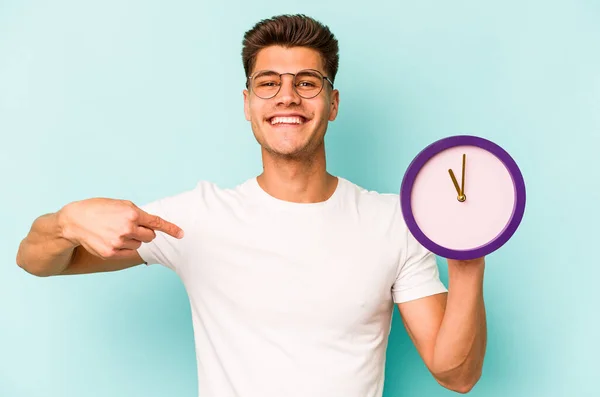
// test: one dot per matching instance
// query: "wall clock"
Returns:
(463, 197)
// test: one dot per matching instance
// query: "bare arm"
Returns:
(449, 330)
(44, 252)
(95, 235)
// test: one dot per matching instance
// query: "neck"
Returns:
(297, 179)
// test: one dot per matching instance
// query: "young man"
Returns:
(293, 276)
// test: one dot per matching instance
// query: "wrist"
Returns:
(470, 265)
(466, 272)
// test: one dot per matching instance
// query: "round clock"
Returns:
(463, 197)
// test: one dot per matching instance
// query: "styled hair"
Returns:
(291, 31)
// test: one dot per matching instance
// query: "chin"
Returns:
(285, 144)
(293, 142)
(290, 152)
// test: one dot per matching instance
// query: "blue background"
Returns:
(141, 99)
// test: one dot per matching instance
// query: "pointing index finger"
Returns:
(155, 222)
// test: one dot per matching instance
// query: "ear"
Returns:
(246, 104)
(334, 104)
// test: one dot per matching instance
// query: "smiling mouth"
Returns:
(287, 120)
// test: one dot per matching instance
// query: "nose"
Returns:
(287, 95)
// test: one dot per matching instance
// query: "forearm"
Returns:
(44, 252)
(461, 342)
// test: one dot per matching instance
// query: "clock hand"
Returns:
(454, 181)
(461, 197)
(462, 186)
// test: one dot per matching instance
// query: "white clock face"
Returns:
(489, 198)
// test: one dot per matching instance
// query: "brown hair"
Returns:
(291, 31)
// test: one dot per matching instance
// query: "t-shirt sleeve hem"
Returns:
(431, 288)
(146, 255)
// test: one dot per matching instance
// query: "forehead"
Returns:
(289, 60)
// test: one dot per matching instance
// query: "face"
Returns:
(288, 125)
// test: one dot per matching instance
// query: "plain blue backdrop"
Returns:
(141, 99)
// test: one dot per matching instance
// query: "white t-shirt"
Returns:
(289, 299)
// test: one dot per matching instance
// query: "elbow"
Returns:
(462, 388)
(30, 270)
(21, 262)
(33, 270)
(36, 272)
(462, 385)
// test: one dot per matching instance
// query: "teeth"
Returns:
(286, 120)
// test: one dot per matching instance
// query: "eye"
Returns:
(307, 83)
(267, 83)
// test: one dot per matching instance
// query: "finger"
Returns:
(155, 222)
(142, 234)
(90, 249)
(99, 248)
(130, 244)
(123, 253)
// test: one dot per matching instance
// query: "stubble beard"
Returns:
(305, 152)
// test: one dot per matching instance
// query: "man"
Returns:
(294, 274)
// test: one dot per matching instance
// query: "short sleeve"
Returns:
(164, 249)
(418, 275)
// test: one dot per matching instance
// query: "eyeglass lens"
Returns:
(308, 83)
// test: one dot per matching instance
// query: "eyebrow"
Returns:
(310, 73)
(273, 73)
(266, 73)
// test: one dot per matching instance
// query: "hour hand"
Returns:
(461, 197)
(454, 181)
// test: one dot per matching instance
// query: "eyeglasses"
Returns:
(307, 83)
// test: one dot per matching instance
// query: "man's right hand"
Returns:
(111, 228)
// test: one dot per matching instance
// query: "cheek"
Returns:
(255, 112)
(324, 113)
(319, 110)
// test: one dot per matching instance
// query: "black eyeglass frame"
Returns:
(248, 85)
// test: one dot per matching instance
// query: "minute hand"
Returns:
(462, 188)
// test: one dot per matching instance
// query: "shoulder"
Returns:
(379, 210)
(380, 214)
(203, 196)
(371, 199)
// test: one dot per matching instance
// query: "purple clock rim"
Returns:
(424, 156)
